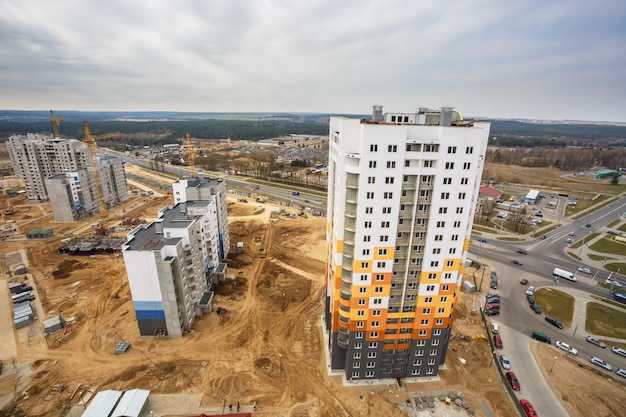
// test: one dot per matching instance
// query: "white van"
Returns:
(495, 329)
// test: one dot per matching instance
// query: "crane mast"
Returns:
(90, 140)
(191, 154)
(55, 124)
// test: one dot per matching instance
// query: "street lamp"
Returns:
(553, 362)
(571, 342)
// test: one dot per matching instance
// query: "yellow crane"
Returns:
(90, 140)
(191, 154)
(55, 124)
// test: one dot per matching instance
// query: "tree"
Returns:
(615, 179)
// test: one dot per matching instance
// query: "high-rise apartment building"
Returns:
(402, 192)
(173, 262)
(57, 170)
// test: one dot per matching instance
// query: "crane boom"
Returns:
(90, 140)
(191, 154)
(55, 124)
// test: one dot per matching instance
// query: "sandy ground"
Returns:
(267, 348)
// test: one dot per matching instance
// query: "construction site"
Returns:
(262, 346)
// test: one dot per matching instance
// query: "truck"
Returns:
(561, 273)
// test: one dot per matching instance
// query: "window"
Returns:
(469, 150)
(451, 149)
(356, 365)
(445, 196)
(455, 238)
(433, 352)
(389, 180)
(463, 181)
(450, 263)
(387, 195)
(382, 251)
(429, 163)
(432, 275)
(384, 224)
(391, 164)
(417, 362)
(443, 210)
(438, 238)
(426, 311)
(428, 299)
(366, 252)
(423, 333)
(355, 374)
(441, 310)
(373, 345)
(371, 180)
(421, 342)
(361, 302)
(451, 251)
(380, 277)
(431, 148)
(444, 299)
(369, 210)
(359, 335)
(437, 332)
(376, 312)
(362, 290)
(361, 313)
(461, 196)
(441, 224)
(430, 371)
(384, 238)
(371, 355)
(366, 238)
(373, 148)
(435, 342)
(439, 322)
(369, 195)
(368, 225)
(380, 264)
(457, 223)
(386, 210)
(445, 287)
(360, 324)
(424, 322)
(420, 352)
(392, 148)
(369, 374)
(449, 165)
(365, 265)
(372, 164)
(357, 355)
(459, 210)
(358, 345)
(378, 289)
(375, 324)
(466, 165)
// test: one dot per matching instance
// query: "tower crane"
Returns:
(191, 154)
(90, 140)
(55, 124)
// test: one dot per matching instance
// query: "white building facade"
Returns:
(402, 191)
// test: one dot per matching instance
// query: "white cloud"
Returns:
(488, 58)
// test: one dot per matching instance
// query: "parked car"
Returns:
(497, 341)
(530, 290)
(492, 306)
(554, 322)
(493, 312)
(619, 350)
(482, 240)
(524, 281)
(594, 340)
(530, 299)
(588, 225)
(521, 251)
(505, 362)
(534, 307)
(543, 236)
(516, 262)
(611, 232)
(569, 240)
(585, 270)
(600, 362)
(510, 376)
(493, 298)
(495, 329)
(572, 233)
(566, 347)
(621, 372)
(528, 408)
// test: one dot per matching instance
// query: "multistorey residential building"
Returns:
(402, 190)
(58, 170)
(173, 261)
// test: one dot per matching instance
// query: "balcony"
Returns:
(346, 296)
(350, 224)
(347, 263)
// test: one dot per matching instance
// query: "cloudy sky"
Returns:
(559, 59)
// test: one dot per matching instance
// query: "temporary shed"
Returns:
(240, 247)
(21, 322)
(53, 324)
(132, 403)
(102, 404)
(531, 196)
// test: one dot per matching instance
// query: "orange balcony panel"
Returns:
(403, 346)
(415, 335)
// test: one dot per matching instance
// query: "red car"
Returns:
(492, 306)
(510, 376)
(528, 408)
(497, 340)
